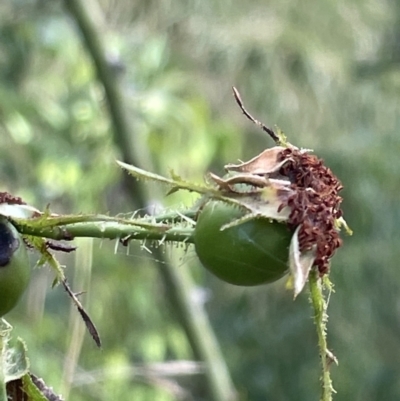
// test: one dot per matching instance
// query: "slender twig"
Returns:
(85, 317)
(320, 319)
(177, 280)
(266, 129)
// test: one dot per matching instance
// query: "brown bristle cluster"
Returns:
(315, 204)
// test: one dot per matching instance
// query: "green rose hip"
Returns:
(14, 266)
(251, 253)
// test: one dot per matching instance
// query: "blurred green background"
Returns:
(327, 73)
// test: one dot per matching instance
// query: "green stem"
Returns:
(3, 392)
(320, 318)
(107, 229)
(4, 334)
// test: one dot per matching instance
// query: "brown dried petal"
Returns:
(268, 202)
(266, 162)
(15, 210)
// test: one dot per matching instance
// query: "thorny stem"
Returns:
(108, 230)
(320, 318)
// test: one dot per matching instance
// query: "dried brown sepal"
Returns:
(85, 316)
(258, 194)
(60, 246)
(267, 162)
(254, 182)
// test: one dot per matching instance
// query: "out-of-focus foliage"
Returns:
(328, 73)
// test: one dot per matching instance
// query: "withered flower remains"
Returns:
(290, 185)
(283, 184)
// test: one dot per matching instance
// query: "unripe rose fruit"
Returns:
(14, 266)
(252, 253)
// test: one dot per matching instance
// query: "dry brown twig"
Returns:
(266, 129)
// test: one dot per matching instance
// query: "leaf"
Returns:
(175, 181)
(37, 390)
(30, 388)
(47, 257)
(15, 361)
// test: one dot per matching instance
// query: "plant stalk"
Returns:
(107, 230)
(320, 319)
(4, 336)
(3, 391)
